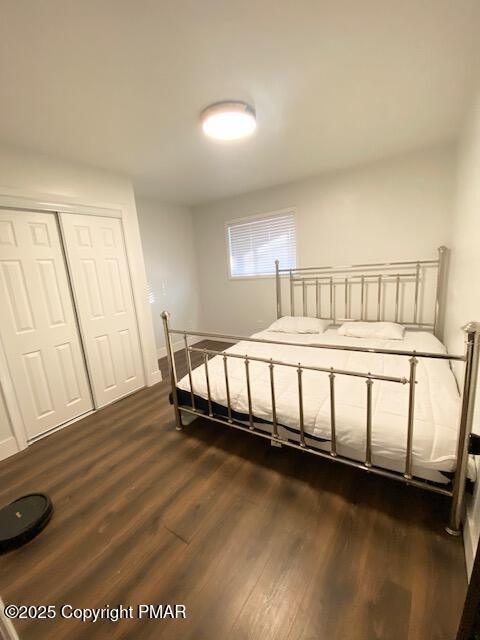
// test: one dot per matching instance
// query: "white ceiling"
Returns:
(120, 84)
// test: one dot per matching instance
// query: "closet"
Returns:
(101, 284)
(37, 323)
(67, 322)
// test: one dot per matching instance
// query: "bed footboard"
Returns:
(470, 357)
(470, 380)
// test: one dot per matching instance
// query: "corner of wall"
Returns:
(167, 235)
(470, 538)
(463, 286)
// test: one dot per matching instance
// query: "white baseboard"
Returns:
(162, 352)
(8, 447)
(7, 630)
(155, 377)
(470, 538)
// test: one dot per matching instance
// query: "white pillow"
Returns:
(299, 324)
(378, 330)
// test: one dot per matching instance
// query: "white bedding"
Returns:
(437, 399)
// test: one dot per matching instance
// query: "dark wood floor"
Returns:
(257, 542)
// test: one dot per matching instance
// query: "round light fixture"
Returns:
(228, 120)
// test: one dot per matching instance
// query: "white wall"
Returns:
(464, 276)
(169, 252)
(5, 427)
(8, 442)
(46, 179)
(397, 209)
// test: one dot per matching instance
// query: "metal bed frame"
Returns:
(363, 275)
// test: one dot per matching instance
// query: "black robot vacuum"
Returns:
(23, 519)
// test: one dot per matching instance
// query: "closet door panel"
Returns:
(99, 269)
(38, 326)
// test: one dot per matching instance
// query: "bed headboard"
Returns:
(409, 292)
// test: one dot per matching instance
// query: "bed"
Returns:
(387, 406)
(437, 399)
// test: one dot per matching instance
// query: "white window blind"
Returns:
(255, 243)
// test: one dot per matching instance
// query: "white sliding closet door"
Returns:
(37, 323)
(101, 283)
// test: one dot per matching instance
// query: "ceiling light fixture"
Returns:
(228, 120)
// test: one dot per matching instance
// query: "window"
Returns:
(255, 243)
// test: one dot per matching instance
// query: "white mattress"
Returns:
(437, 399)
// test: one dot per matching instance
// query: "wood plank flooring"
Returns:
(257, 542)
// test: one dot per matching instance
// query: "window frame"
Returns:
(258, 216)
